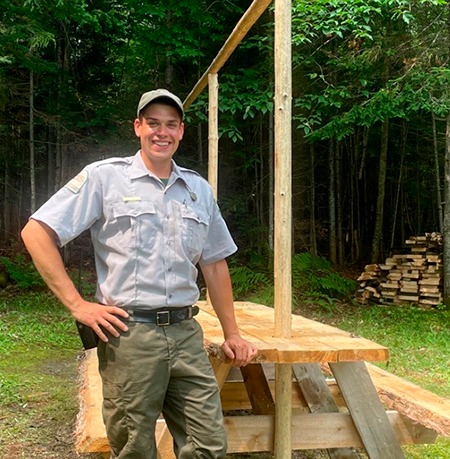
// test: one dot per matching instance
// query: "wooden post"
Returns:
(283, 222)
(213, 138)
(242, 27)
(213, 132)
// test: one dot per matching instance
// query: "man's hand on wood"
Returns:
(239, 350)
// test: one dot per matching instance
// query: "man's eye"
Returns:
(152, 124)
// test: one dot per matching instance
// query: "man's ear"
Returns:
(137, 127)
(181, 130)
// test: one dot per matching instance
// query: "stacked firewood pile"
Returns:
(414, 276)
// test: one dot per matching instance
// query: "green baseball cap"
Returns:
(163, 94)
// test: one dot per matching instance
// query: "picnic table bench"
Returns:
(337, 414)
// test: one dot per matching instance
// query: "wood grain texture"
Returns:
(412, 401)
(258, 390)
(320, 400)
(213, 132)
(283, 170)
(311, 341)
(234, 396)
(366, 410)
(283, 411)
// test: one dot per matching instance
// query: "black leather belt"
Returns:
(161, 317)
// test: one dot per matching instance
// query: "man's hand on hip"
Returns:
(98, 316)
(239, 350)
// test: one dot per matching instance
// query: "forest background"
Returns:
(371, 108)
(371, 143)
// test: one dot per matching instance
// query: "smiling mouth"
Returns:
(161, 144)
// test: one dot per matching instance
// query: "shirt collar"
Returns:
(138, 169)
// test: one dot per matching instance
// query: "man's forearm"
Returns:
(217, 278)
(40, 241)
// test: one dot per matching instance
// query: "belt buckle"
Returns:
(163, 318)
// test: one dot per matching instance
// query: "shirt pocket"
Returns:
(136, 223)
(195, 227)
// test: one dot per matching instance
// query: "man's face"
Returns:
(160, 130)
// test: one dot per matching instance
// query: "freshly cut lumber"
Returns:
(379, 438)
(368, 276)
(411, 400)
(429, 302)
(431, 281)
(408, 297)
(312, 431)
(390, 285)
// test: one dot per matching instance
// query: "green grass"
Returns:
(39, 344)
(419, 345)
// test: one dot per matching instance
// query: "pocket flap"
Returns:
(133, 208)
(198, 215)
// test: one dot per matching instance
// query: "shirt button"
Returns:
(170, 269)
(170, 296)
(167, 216)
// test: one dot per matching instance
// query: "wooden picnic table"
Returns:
(318, 422)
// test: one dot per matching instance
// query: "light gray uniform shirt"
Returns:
(147, 237)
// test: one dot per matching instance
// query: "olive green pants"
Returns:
(153, 369)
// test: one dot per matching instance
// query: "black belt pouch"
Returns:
(87, 335)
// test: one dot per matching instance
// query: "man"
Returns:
(151, 222)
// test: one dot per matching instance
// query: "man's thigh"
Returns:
(135, 373)
(192, 407)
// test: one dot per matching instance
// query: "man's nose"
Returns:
(162, 130)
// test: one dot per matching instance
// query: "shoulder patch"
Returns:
(77, 182)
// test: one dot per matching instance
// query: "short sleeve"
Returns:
(75, 207)
(219, 243)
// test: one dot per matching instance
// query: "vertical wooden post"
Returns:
(213, 137)
(213, 132)
(283, 222)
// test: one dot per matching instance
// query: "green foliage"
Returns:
(245, 280)
(314, 275)
(23, 272)
(313, 282)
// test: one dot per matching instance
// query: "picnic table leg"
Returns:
(221, 370)
(258, 389)
(367, 411)
(318, 396)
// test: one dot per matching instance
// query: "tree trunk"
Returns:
(447, 214)
(312, 205)
(260, 187)
(339, 203)
(378, 233)
(32, 168)
(7, 201)
(332, 201)
(437, 176)
(400, 180)
(50, 161)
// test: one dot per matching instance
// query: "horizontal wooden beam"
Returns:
(235, 397)
(243, 26)
(312, 431)
(309, 431)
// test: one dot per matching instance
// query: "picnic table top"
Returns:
(311, 341)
